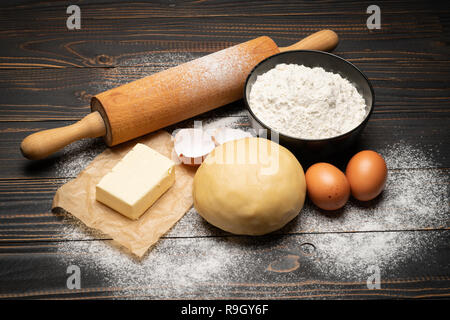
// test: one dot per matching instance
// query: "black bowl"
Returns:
(313, 148)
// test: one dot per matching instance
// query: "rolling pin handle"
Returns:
(324, 40)
(42, 144)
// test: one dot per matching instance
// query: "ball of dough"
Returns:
(250, 186)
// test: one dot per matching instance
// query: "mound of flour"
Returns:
(308, 103)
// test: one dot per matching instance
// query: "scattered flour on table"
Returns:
(342, 256)
(164, 60)
(402, 155)
(167, 271)
(413, 198)
(308, 103)
(76, 156)
(210, 125)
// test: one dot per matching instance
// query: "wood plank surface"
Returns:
(420, 133)
(48, 75)
(384, 214)
(418, 87)
(232, 267)
(25, 202)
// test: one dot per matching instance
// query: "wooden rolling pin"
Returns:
(170, 96)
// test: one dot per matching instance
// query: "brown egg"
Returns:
(367, 173)
(327, 186)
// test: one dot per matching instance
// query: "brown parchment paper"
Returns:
(78, 198)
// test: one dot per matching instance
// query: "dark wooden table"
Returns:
(48, 74)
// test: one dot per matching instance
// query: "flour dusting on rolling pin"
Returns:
(308, 103)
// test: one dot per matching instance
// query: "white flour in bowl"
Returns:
(308, 103)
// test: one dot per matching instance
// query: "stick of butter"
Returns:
(136, 181)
